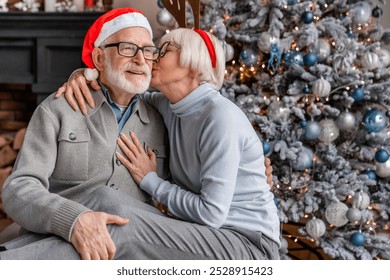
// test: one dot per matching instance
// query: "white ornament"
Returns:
(321, 88)
(361, 13)
(346, 121)
(315, 228)
(229, 51)
(3, 6)
(284, 245)
(335, 214)
(322, 50)
(165, 18)
(79, 5)
(383, 169)
(329, 131)
(360, 200)
(353, 215)
(384, 57)
(91, 74)
(50, 5)
(370, 60)
(278, 112)
(265, 41)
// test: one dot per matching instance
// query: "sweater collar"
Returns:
(194, 100)
(100, 98)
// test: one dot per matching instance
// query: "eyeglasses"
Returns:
(164, 48)
(130, 50)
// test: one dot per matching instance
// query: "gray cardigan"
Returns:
(66, 155)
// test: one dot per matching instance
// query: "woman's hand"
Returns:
(268, 171)
(76, 91)
(137, 161)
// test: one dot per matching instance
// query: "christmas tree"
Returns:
(313, 78)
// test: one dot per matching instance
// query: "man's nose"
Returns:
(139, 57)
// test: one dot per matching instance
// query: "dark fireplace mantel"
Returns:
(41, 49)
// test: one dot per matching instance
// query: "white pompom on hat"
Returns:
(106, 25)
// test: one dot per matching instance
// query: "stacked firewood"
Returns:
(10, 144)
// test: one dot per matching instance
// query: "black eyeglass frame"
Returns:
(155, 53)
(164, 47)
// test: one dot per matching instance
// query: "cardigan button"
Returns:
(72, 136)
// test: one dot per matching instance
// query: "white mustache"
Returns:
(132, 68)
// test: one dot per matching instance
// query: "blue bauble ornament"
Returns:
(312, 130)
(303, 123)
(374, 120)
(371, 174)
(248, 57)
(358, 239)
(349, 32)
(160, 4)
(377, 12)
(358, 94)
(266, 147)
(310, 59)
(291, 2)
(307, 17)
(276, 201)
(388, 114)
(304, 160)
(306, 89)
(293, 57)
(381, 155)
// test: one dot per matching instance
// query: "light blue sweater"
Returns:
(217, 164)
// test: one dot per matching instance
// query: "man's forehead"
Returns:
(133, 34)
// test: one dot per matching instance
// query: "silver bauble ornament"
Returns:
(346, 121)
(265, 40)
(382, 169)
(165, 18)
(361, 13)
(322, 50)
(229, 51)
(329, 131)
(360, 200)
(278, 112)
(304, 160)
(370, 61)
(353, 215)
(335, 214)
(321, 88)
(284, 245)
(384, 57)
(315, 228)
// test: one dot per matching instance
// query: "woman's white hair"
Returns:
(194, 54)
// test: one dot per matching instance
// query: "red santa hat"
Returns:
(106, 25)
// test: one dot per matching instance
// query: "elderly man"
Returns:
(66, 156)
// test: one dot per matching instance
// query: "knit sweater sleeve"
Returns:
(26, 195)
(219, 152)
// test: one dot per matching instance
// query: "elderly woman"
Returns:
(216, 158)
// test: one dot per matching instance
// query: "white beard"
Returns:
(139, 84)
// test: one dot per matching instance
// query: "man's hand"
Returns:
(91, 238)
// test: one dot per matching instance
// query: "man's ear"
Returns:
(98, 57)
